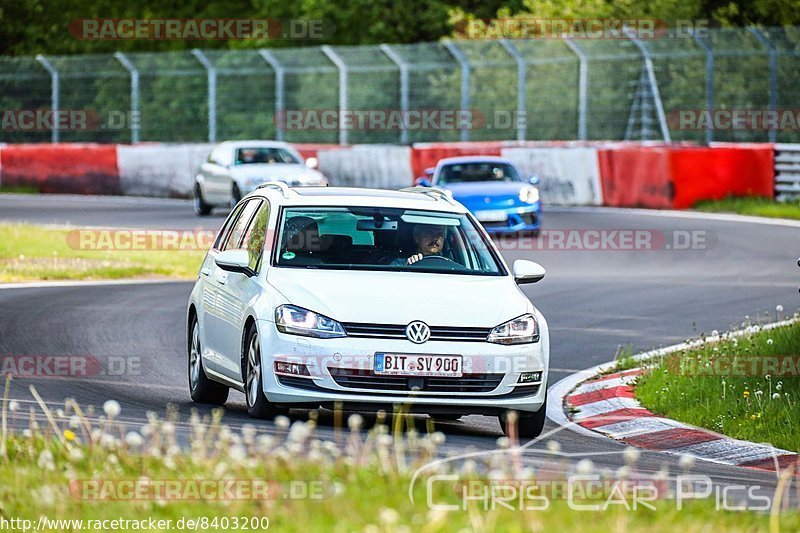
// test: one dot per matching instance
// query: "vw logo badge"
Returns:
(418, 332)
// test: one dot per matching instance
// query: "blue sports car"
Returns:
(492, 188)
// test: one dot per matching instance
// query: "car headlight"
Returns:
(529, 195)
(298, 321)
(521, 330)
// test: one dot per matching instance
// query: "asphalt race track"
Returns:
(595, 301)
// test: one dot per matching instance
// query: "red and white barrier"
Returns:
(62, 168)
(568, 176)
(618, 174)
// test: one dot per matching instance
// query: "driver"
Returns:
(429, 240)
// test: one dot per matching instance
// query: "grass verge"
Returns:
(78, 466)
(746, 387)
(760, 207)
(30, 253)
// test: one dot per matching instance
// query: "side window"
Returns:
(256, 236)
(226, 228)
(234, 238)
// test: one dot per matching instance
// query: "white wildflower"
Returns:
(134, 439)
(112, 409)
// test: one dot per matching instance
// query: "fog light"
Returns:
(530, 377)
(295, 369)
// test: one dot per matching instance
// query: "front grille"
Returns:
(366, 379)
(397, 331)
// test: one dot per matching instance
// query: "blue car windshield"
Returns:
(479, 171)
(377, 238)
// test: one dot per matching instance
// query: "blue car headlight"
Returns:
(529, 195)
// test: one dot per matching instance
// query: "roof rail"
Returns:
(434, 192)
(281, 186)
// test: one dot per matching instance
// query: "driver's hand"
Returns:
(414, 258)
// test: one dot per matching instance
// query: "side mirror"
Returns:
(422, 182)
(527, 271)
(235, 261)
(312, 163)
(534, 180)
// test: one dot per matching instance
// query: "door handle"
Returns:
(222, 279)
(205, 271)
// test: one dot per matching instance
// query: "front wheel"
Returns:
(201, 208)
(257, 404)
(529, 426)
(236, 195)
(202, 389)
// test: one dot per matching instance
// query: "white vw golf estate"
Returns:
(321, 295)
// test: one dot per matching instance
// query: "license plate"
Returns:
(494, 215)
(400, 364)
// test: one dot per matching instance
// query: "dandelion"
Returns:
(282, 422)
(13, 405)
(69, 435)
(503, 443)
(45, 461)
(779, 386)
(112, 409)
(134, 439)
(746, 394)
(553, 446)
(770, 342)
(686, 462)
(388, 516)
(779, 308)
(776, 396)
(584, 466)
(75, 454)
(438, 438)
(631, 455)
(74, 421)
(354, 422)
(715, 333)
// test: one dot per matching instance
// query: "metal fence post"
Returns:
(340, 64)
(583, 85)
(773, 76)
(403, 66)
(651, 77)
(459, 56)
(134, 94)
(54, 92)
(280, 80)
(212, 93)
(709, 84)
(522, 118)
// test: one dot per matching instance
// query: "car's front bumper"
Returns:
(491, 368)
(515, 219)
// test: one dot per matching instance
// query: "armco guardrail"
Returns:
(611, 174)
(787, 171)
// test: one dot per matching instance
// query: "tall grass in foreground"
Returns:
(365, 475)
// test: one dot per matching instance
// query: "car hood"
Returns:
(401, 297)
(485, 188)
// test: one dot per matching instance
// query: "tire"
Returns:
(236, 195)
(202, 389)
(257, 404)
(201, 208)
(529, 426)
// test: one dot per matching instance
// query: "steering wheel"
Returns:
(446, 262)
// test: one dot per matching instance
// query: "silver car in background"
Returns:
(235, 168)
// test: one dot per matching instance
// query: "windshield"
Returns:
(370, 238)
(486, 171)
(261, 155)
